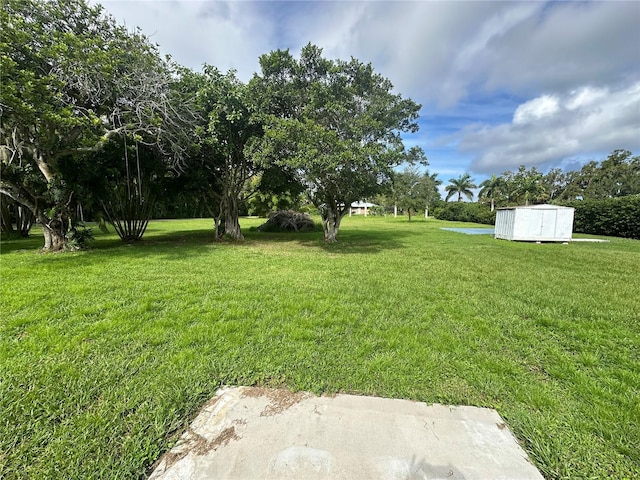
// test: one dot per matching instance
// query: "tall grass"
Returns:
(105, 355)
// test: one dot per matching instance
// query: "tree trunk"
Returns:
(55, 233)
(232, 228)
(6, 221)
(230, 213)
(24, 220)
(409, 212)
(331, 224)
(492, 205)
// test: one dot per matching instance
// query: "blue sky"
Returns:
(545, 84)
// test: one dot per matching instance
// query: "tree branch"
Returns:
(15, 192)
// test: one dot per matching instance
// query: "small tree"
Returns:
(128, 199)
(413, 191)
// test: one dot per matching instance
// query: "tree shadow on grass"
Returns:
(185, 243)
(198, 242)
(349, 242)
(32, 243)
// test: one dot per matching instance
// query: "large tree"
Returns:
(72, 79)
(555, 182)
(529, 186)
(220, 170)
(616, 176)
(230, 125)
(336, 124)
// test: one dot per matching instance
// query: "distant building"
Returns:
(360, 208)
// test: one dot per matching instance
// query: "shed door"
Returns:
(548, 223)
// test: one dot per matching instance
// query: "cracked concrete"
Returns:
(254, 433)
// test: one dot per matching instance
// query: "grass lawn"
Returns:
(106, 355)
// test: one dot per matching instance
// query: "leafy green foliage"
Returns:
(71, 80)
(226, 104)
(460, 186)
(413, 192)
(335, 124)
(526, 186)
(78, 237)
(492, 189)
(617, 217)
(616, 176)
(464, 212)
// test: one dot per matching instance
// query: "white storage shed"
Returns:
(535, 223)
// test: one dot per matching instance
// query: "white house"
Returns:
(360, 208)
(535, 223)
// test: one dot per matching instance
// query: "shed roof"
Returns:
(542, 206)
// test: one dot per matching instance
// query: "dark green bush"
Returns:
(288, 221)
(616, 217)
(464, 212)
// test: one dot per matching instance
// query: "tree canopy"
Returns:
(336, 124)
(71, 80)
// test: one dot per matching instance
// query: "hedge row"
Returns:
(616, 217)
(464, 212)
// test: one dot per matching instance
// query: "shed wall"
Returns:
(547, 224)
(505, 220)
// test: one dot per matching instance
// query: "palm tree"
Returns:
(491, 188)
(461, 185)
(530, 188)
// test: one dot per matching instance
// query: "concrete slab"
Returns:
(254, 433)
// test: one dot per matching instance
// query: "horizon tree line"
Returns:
(616, 176)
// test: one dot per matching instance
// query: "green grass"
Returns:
(106, 354)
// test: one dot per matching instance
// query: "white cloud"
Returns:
(439, 52)
(442, 52)
(553, 128)
(569, 43)
(533, 110)
(228, 35)
(569, 65)
(584, 97)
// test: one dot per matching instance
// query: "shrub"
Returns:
(616, 217)
(77, 237)
(288, 221)
(464, 212)
(379, 210)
